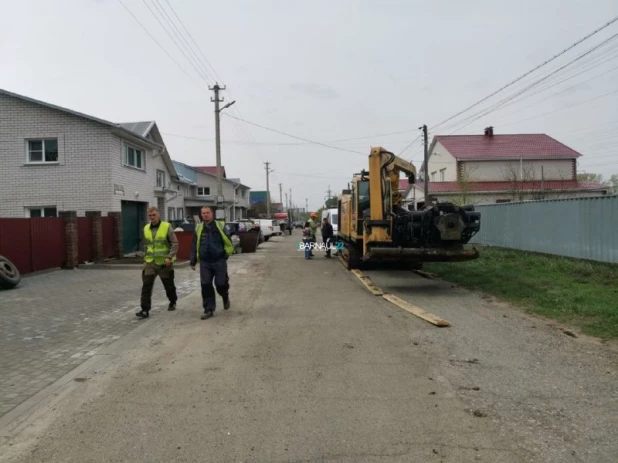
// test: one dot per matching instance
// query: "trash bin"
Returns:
(249, 240)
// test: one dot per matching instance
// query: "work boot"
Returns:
(207, 314)
(172, 306)
(142, 314)
(226, 303)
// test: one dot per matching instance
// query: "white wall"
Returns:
(441, 159)
(532, 170)
(80, 181)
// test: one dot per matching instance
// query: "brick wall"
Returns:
(80, 180)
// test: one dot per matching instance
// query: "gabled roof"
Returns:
(140, 128)
(82, 115)
(211, 170)
(516, 146)
(403, 183)
(507, 187)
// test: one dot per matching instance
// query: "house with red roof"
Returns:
(496, 168)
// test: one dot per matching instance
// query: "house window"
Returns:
(442, 174)
(43, 151)
(242, 193)
(170, 213)
(503, 201)
(160, 178)
(41, 212)
(133, 157)
(180, 213)
(203, 191)
(433, 176)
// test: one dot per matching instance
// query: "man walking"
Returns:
(211, 247)
(327, 236)
(161, 249)
(313, 225)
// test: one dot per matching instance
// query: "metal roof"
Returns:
(78, 114)
(140, 128)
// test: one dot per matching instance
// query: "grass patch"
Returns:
(578, 292)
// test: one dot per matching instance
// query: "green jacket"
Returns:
(313, 225)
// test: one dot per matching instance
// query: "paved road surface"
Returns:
(308, 366)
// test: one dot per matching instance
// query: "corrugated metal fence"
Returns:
(584, 228)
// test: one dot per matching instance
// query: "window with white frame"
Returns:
(433, 176)
(42, 211)
(180, 214)
(160, 178)
(133, 157)
(42, 151)
(170, 213)
(442, 171)
(203, 191)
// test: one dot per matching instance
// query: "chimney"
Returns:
(489, 131)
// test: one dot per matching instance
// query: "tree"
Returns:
(613, 184)
(332, 202)
(516, 176)
(590, 177)
(464, 180)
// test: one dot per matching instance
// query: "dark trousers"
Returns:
(328, 242)
(216, 271)
(149, 275)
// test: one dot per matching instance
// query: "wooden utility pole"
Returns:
(268, 171)
(280, 195)
(216, 100)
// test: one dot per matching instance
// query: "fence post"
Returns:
(97, 235)
(118, 246)
(70, 239)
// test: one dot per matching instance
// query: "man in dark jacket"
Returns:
(327, 235)
(211, 247)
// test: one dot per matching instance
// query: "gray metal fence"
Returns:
(585, 228)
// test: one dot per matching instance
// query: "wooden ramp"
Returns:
(414, 310)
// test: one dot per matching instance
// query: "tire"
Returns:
(9, 275)
(266, 238)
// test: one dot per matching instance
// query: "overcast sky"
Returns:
(323, 71)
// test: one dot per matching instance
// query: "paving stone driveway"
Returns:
(53, 322)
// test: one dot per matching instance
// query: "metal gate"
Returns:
(133, 222)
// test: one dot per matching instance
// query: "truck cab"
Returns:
(333, 217)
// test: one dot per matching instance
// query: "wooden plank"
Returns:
(370, 285)
(414, 310)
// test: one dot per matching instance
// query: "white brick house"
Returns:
(55, 159)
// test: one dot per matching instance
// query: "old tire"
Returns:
(9, 275)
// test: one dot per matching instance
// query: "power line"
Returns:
(294, 136)
(496, 106)
(529, 72)
(160, 46)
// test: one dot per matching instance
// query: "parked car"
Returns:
(268, 227)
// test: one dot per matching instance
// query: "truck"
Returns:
(333, 217)
(375, 227)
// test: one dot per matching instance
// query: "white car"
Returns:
(333, 217)
(268, 227)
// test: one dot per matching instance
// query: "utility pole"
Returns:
(426, 174)
(280, 195)
(328, 196)
(287, 205)
(291, 203)
(218, 110)
(306, 205)
(268, 171)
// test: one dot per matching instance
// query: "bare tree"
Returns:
(517, 176)
(464, 184)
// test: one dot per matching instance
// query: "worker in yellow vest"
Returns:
(211, 247)
(160, 254)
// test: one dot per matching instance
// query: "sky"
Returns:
(367, 72)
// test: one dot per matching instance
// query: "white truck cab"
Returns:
(333, 218)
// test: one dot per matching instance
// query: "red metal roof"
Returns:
(403, 183)
(526, 146)
(455, 187)
(211, 170)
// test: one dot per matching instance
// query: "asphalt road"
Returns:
(309, 366)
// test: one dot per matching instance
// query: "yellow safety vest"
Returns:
(157, 248)
(227, 244)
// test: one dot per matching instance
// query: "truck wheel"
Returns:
(9, 275)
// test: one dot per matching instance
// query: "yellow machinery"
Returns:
(375, 227)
